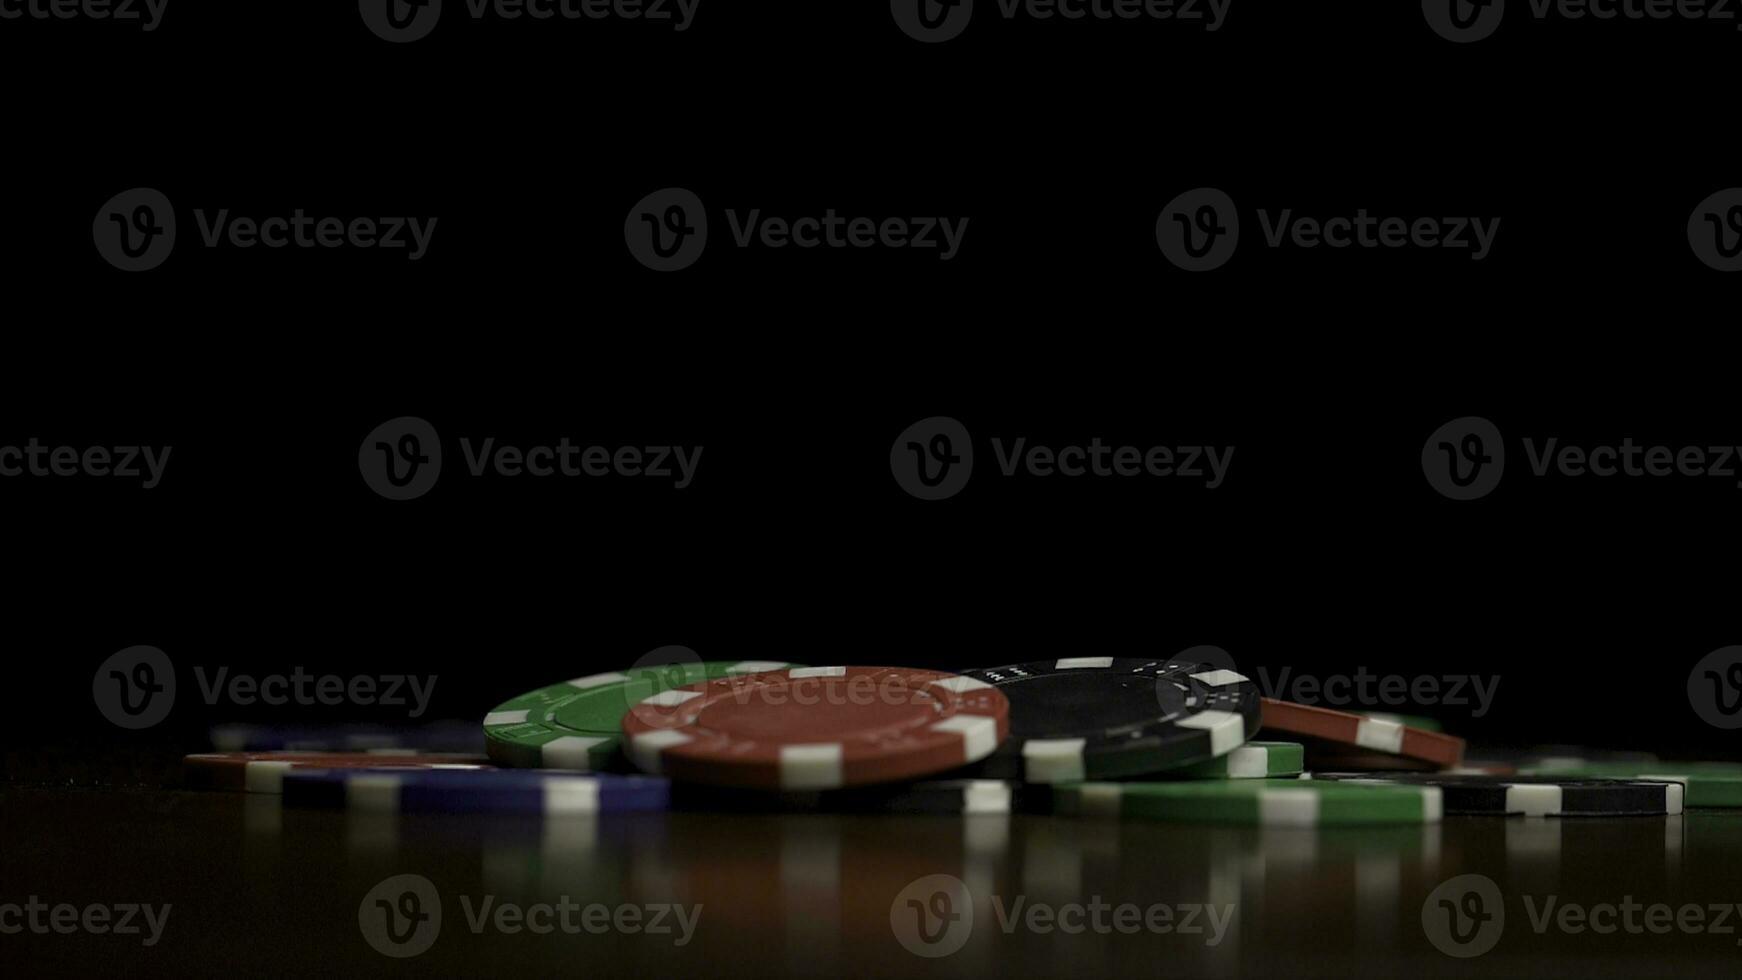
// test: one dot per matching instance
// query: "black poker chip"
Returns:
(1109, 717)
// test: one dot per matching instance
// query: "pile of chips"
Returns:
(1081, 736)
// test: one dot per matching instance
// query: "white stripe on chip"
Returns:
(1053, 760)
(571, 794)
(671, 698)
(644, 749)
(756, 666)
(569, 752)
(1248, 762)
(595, 680)
(1433, 804)
(798, 672)
(979, 734)
(1218, 678)
(959, 684)
(1227, 729)
(495, 718)
(1380, 736)
(986, 796)
(264, 777)
(1079, 663)
(1533, 799)
(1288, 808)
(815, 766)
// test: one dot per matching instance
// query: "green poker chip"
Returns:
(578, 724)
(1254, 802)
(1706, 784)
(1254, 760)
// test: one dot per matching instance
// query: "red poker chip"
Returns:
(813, 728)
(1361, 732)
(263, 772)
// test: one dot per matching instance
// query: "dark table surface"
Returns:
(258, 889)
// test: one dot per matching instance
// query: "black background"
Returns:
(1060, 321)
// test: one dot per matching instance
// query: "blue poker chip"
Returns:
(523, 791)
(435, 736)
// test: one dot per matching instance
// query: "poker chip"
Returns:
(817, 727)
(263, 772)
(1422, 722)
(1361, 732)
(443, 736)
(520, 791)
(578, 724)
(966, 797)
(1706, 784)
(1254, 760)
(1535, 796)
(1108, 717)
(1253, 802)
